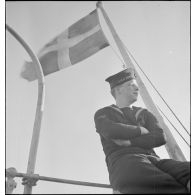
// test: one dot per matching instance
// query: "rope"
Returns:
(157, 91)
(173, 126)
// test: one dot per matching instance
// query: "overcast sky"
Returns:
(157, 34)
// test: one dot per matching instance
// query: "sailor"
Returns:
(128, 135)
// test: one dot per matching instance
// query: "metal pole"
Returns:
(39, 109)
(172, 147)
(12, 174)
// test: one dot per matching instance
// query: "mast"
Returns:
(171, 146)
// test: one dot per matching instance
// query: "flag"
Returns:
(81, 40)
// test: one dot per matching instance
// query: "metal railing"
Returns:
(31, 180)
(39, 108)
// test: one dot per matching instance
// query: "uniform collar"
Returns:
(126, 107)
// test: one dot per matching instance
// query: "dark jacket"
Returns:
(113, 122)
(135, 169)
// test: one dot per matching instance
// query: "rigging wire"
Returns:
(157, 90)
(173, 126)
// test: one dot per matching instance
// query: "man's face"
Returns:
(130, 90)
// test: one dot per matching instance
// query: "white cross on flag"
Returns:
(81, 40)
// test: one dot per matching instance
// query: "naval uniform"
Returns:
(137, 168)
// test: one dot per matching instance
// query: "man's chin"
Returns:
(133, 100)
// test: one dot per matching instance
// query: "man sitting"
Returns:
(128, 135)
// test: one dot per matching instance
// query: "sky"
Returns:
(158, 36)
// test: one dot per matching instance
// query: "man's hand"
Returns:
(121, 142)
(144, 131)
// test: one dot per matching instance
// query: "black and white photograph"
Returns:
(97, 97)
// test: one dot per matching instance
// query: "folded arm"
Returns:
(122, 142)
(131, 135)
(154, 138)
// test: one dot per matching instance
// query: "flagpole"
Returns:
(39, 110)
(171, 146)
